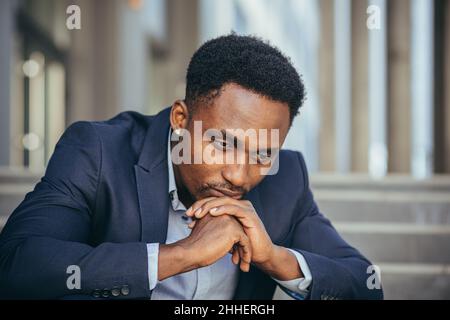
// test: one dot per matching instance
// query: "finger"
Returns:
(199, 208)
(190, 211)
(244, 265)
(207, 206)
(245, 216)
(192, 224)
(245, 252)
(235, 256)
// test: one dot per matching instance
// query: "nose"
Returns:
(236, 174)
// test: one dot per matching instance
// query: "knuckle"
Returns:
(228, 218)
(225, 220)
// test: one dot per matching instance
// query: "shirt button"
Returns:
(96, 293)
(115, 292)
(105, 293)
(125, 290)
(186, 219)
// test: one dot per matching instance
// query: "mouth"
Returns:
(226, 193)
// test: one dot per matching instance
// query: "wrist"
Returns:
(270, 262)
(174, 259)
(281, 265)
(185, 256)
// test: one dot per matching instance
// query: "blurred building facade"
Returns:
(378, 99)
(377, 73)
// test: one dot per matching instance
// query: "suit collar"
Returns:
(151, 174)
(154, 150)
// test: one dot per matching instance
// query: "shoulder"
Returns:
(291, 178)
(129, 123)
(125, 132)
(292, 168)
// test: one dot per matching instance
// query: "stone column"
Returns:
(327, 151)
(399, 95)
(360, 100)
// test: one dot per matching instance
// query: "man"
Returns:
(118, 205)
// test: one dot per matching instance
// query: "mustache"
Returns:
(224, 186)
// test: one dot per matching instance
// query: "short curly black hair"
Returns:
(247, 61)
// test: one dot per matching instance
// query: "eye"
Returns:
(222, 145)
(263, 158)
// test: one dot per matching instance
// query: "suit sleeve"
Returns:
(338, 270)
(49, 232)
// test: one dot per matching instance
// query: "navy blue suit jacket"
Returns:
(104, 196)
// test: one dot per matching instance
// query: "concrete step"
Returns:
(415, 281)
(10, 175)
(398, 243)
(402, 281)
(2, 222)
(11, 195)
(392, 182)
(382, 206)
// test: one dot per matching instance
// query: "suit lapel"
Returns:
(152, 181)
(153, 204)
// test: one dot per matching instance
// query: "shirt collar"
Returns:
(177, 205)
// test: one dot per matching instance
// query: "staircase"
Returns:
(14, 184)
(400, 224)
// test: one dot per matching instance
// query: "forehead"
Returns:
(240, 108)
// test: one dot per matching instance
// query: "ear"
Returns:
(179, 115)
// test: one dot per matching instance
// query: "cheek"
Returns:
(255, 175)
(196, 151)
(210, 173)
(201, 152)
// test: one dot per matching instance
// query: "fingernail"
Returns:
(197, 211)
(213, 210)
(188, 211)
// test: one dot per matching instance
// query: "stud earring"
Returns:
(177, 131)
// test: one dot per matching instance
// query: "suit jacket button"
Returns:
(115, 292)
(96, 293)
(105, 293)
(125, 290)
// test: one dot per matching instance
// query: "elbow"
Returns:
(11, 275)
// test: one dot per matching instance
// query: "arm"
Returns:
(50, 229)
(338, 270)
(286, 266)
(211, 239)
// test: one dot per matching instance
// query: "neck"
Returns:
(183, 193)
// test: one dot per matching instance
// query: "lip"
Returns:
(227, 193)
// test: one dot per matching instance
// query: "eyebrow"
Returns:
(235, 141)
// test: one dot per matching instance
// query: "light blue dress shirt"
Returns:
(217, 281)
